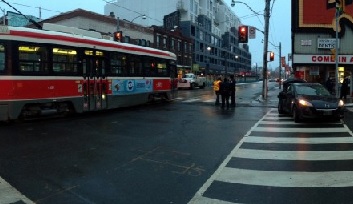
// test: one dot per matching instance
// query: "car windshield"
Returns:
(187, 76)
(312, 90)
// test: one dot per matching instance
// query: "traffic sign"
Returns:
(252, 32)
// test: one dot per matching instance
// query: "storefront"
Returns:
(318, 68)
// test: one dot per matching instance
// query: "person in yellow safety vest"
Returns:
(216, 85)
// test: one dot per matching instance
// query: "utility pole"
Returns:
(264, 72)
(280, 66)
(336, 50)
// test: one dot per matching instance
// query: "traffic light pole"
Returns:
(336, 53)
(264, 72)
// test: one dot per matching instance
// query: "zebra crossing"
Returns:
(279, 161)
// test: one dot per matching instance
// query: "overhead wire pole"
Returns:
(264, 71)
(336, 50)
(280, 66)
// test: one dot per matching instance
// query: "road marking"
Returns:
(191, 100)
(9, 194)
(254, 163)
(301, 129)
(289, 155)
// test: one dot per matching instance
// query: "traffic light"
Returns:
(272, 56)
(243, 34)
(118, 36)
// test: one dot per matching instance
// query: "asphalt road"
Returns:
(157, 153)
(160, 153)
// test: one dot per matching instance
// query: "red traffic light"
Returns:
(272, 56)
(118, 36)
(243, 34)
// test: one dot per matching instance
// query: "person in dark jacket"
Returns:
(232, 90)
(344, 89)
(329, 85)
(225, 92)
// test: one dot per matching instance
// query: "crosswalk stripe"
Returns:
(286, 178)
(274, 129)
(317, 140)
(204, 200)
(289, 155)
(9, 194)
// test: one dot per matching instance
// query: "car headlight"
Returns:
(305, 103)
(340, 103)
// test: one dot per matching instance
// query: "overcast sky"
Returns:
(279, 30)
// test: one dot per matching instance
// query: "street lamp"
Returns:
(208, 61)
(143, 17)
(236, 63)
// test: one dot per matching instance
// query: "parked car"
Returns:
(310, 101)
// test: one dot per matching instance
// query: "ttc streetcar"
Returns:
(46, 72)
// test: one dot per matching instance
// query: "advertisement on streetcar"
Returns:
(131, 86)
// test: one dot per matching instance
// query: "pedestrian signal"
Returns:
(243, 34)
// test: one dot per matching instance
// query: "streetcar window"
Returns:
(89, 52)
(135, 67)
(2, 58)
(33, 59)
(117, 64)
(162, 69)
(65, 61)
(150, 67)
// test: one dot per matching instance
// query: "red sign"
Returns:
(321, 14)
(161, 84)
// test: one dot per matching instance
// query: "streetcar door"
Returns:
(95, 84)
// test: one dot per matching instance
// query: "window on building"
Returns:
(164, 42)
(158, 40)
(172, 43)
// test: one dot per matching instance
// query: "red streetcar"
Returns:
(50, 72)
